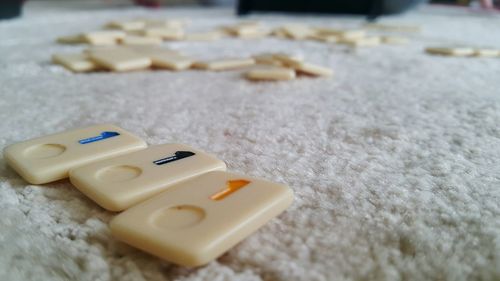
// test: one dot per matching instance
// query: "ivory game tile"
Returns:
(121, 182)
(198, 220)
(49, 158)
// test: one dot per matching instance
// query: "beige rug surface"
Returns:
(394, 161)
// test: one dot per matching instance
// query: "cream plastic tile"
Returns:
(102, 42)
(327, 30)
(324, 38)
(104, 49)
(278, 32)
(171, 62)
(103, 37)
(229, 29)
(140, 40)
(342, 33)
(257, 34)
(224, 64)
(127, 25)
(297, 31)
(352, 34)
(165, 33)
(165, 58)
(288, 59)
(149, 50)
(361, 42)
(484, 52)
(203, 36)
(198, 220)
(246, 30)
(120, 59)
(249, 24)
(451, 51)
(75, 62)
(241, 29)
(394, 40)
(71, 39)
(314, 70)
(50, 158)
(243, 26)
(393, 27)
(270, 74)
(267, 59)
(135, 32)
(119, 183)
(171, 23)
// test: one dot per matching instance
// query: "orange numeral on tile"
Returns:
(231, 186)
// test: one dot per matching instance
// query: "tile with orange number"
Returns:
(198, 220)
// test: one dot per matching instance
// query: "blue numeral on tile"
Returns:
(102, 136)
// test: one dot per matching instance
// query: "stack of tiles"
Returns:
(124, 58)
(130, 32)
(280, 66)
(263, 67)
(246, 30)
(179, 203)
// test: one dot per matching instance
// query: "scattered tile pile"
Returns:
(130, 32)
(154, 31)
(129, 58)
(123, 58)
(128, 45)
(350, 37)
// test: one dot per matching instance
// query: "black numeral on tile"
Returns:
(177, 156)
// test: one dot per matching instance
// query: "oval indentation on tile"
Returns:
(178, 217)
(43, 151)
(118, 173)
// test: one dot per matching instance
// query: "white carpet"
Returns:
(394, 161)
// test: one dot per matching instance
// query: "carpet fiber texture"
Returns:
(394, 161)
